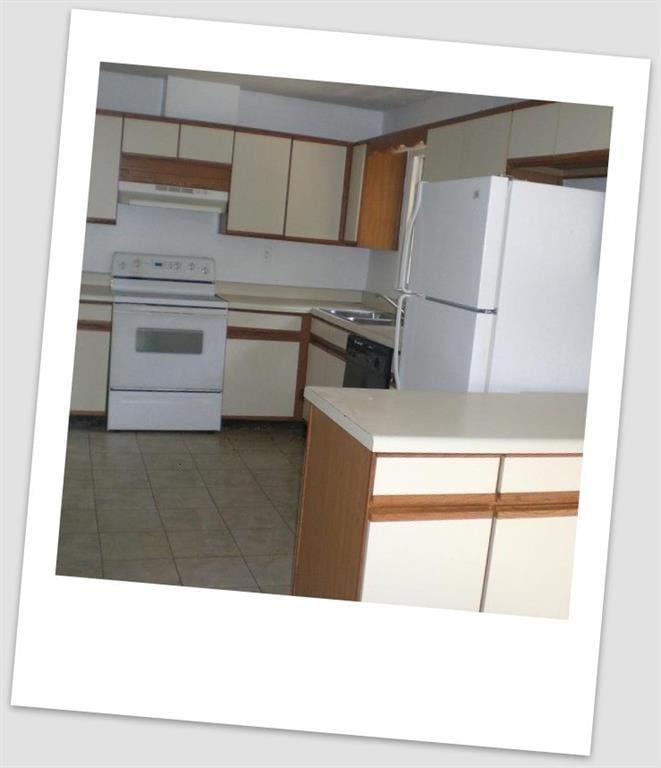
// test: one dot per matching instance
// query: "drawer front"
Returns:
(264, 320)
(94, 311)
(541, 473)
(329, 333)
(425, 475)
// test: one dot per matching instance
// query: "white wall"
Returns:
(598, 183)
(201, 100)
(383, 271)
(441, 106)
(130, 93)
(238, 259)
(315, 118)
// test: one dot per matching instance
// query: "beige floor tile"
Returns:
(110, 442)
(161, 442)
(125, 479)
(77, 497)
(130, 461)
(278, 540)
(78, 520)
(215, 572)
(243, 495)
(183, 498)
(134, 545)
(191, 519)
(167, 478)
(278, 589)
(286, 478)
(170, 461)
(129, 520)
(203, 543)
(79, 554)
(161, 571)
(77, 476)
(233, 475)
(271, 569)
(271, 460)
(257, 516)
(124, 498)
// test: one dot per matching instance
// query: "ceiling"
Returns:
(350, 95)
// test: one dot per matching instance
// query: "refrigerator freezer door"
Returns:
(458, 240)
(543, 332)
(445, 348)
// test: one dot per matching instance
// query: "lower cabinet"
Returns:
(437, 563)
(530, 568)
(89, 390)
(325, 369)
(260, 378)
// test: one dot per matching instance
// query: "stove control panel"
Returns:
(153, 267)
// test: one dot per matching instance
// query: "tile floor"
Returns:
(199, 509)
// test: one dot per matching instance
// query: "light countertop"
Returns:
(396, 421)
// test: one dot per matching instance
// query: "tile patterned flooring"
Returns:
(198, 509)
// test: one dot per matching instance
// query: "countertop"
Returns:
(396, 421)
(290, 300)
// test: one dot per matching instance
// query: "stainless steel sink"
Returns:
(363, 316)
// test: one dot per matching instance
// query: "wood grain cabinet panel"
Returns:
(534, 131)
(316, 186)
(258, 190)
(582, 127)
(381, 199)
(104, 173)
(150, 137)
(358, 155)
(213, 145)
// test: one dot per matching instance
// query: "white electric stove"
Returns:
(167, 351)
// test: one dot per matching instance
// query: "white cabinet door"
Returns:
(258, 190)
(355, 192)
(435, 563)
(530, 568)
(104, 174)
(316, 185)
(534, 131)
(89, 389)
(324, 370)
(150, 137)
(484, 146)
(443, 153)
(582, 128)
(213, 145)
(260, 378)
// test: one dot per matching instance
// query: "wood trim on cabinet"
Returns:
(104, 326)
(269, 311)
(199, 174)
(97, 220)
(262, 334)
(535, 504)
(569, 161)
(327, 346)
(238, 417)
(450, 506)
(302, 369)
(332, 524)
(291, 238)
(411, 136)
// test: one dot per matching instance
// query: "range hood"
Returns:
(169, 196)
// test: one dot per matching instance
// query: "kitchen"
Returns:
(200, 507)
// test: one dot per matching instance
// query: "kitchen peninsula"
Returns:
(438, 499)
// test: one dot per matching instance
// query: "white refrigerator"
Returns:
(500, 287)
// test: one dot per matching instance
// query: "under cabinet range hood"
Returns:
(170, 196)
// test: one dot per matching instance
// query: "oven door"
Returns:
(167, 349)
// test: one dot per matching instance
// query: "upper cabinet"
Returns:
(533, 131)
(358, 154)
(582, 128)
(150, 137)
(213, 145)
(258, 190)
(316, 186)
(104, 174)
(469, 148)
(443, 154)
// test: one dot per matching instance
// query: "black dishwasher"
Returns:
(368, 364)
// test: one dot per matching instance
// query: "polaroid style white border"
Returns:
(306, 664)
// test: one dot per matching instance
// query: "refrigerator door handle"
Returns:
(467, 307)
(398, 333)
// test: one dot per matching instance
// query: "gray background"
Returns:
(34, 51)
